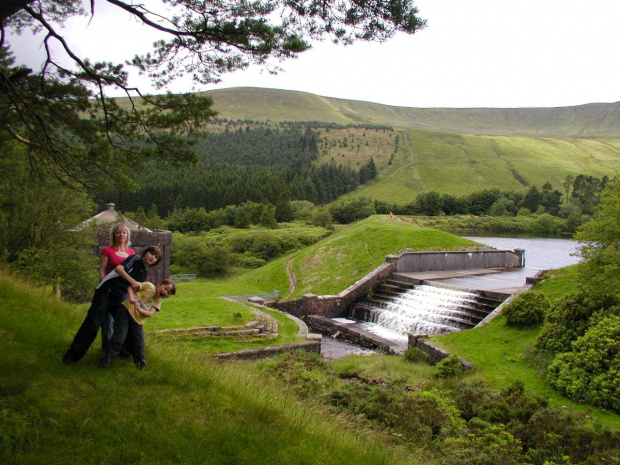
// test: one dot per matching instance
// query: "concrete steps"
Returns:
(473, 306)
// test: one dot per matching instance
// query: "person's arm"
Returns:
(135, 285)
(103, 266)
(132, 298)
(148, 313)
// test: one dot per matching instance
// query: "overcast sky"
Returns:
(473, 53)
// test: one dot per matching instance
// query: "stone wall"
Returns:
(436, 354)
(267, 352)
(438, 261)
(352, 334)
(333, 306)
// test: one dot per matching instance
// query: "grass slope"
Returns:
(460, 164)
(453, 151)
(180, 409)
(333, 264)
(186, 408)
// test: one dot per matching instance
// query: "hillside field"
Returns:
(450, 151)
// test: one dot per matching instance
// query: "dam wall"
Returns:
(335, 306)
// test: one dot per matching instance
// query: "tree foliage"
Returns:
(74, 131)
(589, 373)
(601, 243)
(250, 163)
(569, 318)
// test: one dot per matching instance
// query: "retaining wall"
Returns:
(352, 334)
(436, 354)
(334, 306)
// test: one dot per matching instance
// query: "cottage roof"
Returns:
(110, 215)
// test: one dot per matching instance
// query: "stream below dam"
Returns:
(540, 254)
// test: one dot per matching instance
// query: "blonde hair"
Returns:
(118, 227)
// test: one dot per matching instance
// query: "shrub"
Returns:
(589, 373)
(246, 260)
(305, 371)
(449, 367)
(527, 309)
(68, 265)
(568, 319)
(490, 445)
(198, 254)
(266, 245)
(415, 355)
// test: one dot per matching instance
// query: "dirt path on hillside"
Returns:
(292, 280)
(414, 182)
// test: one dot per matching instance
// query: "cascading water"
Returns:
(424, 309)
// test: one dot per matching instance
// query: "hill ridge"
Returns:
(589, 120)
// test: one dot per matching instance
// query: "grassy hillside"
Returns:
(333, 264)
(180, 409)
(592, 120)
(460, 164)
(453, 151)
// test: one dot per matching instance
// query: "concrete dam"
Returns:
(405, 296)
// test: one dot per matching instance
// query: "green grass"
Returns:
(182, 408)
(461, 164)
(200, 345)
(188, 408)
(333, 264)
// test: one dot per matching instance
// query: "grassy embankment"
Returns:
(180, 409)
(461, 164)
(187, 408)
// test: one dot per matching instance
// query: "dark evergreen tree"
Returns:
(531, 201)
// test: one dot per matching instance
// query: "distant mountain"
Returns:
(584, 121)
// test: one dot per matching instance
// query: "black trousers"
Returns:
(129, 333)
(84, 338)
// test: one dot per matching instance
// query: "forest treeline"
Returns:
(246, 161)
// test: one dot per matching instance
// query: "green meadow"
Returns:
(459, 164)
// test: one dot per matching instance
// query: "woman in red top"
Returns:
(112, 256)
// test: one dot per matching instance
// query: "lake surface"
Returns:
(540, 254)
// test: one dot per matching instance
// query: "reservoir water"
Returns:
(540, 254)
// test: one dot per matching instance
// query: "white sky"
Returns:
(473, 53)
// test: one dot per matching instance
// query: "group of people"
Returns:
(122, 302)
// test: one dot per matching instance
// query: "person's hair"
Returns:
(118, 227)
(153, 249)
(167, 281)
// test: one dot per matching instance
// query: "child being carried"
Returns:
(129, 317)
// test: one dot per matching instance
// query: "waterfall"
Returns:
(424, 309)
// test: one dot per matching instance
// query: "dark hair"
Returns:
(154, 250)
(167, 281)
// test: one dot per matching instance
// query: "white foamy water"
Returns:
(425, 309)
